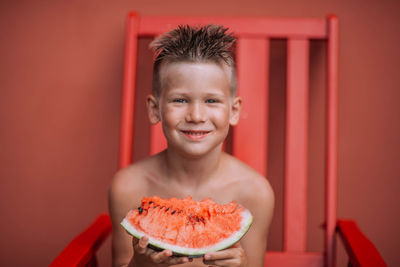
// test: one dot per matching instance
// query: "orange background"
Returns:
(60, 83)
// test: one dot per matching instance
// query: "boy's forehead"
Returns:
(173, 70)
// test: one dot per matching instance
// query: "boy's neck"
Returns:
(192, 171)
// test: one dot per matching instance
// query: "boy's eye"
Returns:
(211, 101)
(179, 100)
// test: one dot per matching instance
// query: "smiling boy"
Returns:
(194, 98)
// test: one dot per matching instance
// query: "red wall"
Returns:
(60, 80)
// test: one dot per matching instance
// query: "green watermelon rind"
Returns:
(245, 224)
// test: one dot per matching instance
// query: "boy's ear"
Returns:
(152, 109)
(236, 107)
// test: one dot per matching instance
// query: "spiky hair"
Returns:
(210, 43)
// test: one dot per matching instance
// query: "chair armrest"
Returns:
(82, 248)
(360, 249)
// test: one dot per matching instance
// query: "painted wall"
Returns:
(60, 81)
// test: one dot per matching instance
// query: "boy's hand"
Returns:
(144, 256)
(231, 257)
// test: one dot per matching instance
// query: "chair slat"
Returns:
(251, 135)
(295, 207)
(331, 140)
(128, 93)
(261, 27)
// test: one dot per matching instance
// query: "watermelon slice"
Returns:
(186, 226)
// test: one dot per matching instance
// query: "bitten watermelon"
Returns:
(186, 226)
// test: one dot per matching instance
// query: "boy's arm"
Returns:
(260, 201)
(121, 199)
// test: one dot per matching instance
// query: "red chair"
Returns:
(251, 53)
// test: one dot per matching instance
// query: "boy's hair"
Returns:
(208, 43)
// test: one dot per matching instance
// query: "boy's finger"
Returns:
(141, 246)
(178, 260)
(161, 256)
(220, 255)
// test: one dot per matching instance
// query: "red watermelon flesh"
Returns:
(186, 226)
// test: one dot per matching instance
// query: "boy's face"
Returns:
(195, 106)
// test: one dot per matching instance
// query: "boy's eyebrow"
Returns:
(215, 95)
(184, 93)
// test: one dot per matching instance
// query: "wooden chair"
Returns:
(252, 52)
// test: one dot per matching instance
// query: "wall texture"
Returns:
(60, 81)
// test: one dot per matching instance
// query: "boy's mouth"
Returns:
(195, 135)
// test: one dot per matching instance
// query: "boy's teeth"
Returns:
(195, 133)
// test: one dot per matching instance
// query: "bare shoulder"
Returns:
(257, 191)
(251, 185)
(252, 190)
(128, 186)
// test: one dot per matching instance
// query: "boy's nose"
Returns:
(196, 113)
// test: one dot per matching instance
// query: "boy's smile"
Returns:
(195, 135)
(195, 106)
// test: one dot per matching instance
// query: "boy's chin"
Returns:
(198, 152)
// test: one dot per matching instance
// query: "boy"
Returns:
(194, 98)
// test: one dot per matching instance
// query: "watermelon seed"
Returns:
(140, 210)
(173, 212)
(167, 209)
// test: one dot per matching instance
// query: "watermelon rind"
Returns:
(245, 224)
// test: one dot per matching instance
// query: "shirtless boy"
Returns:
(194, 98)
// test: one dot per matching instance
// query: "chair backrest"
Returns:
(252, 53)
